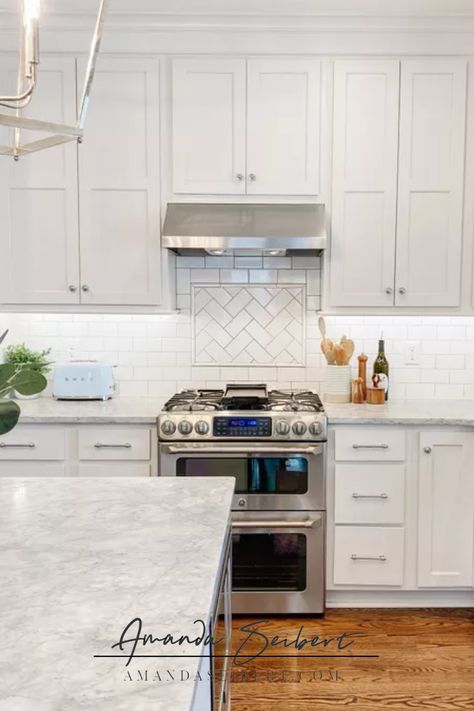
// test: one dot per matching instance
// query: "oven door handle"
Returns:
(309, 523)
(247, 449)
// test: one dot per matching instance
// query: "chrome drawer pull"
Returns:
(101, 445)
(26, 445)
(370, 446)
(275, 524)
(382, 558)
(369, 496)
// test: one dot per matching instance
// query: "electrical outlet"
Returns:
(412, 353)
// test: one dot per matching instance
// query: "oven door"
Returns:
(278, 562)
(271, 476)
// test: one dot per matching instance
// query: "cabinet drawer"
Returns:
(114, 443)
(32, 443)
(369, 493)
(382, 444)
(368, 555)
(114, 469)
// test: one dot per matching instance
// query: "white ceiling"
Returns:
(374, 8)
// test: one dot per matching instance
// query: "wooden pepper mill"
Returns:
(363, 373)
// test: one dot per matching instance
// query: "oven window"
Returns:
(197, 466)
(257, 475)
(268, 561)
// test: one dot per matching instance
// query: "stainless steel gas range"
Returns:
(274, 444)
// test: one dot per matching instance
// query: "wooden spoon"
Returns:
(340, 355)
(322, 327)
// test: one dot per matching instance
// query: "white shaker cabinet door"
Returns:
(38, 197)
(445, 509)
(283, 126)
(119, 185)
(430, 185)
(366, 96)
(209, 100)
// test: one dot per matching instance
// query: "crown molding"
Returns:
(205, 22)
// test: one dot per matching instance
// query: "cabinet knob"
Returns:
(71, 287)
(389, 290)
(427, 450)
(85, 287)
(402, 290)
(252, 177)
(239, 176)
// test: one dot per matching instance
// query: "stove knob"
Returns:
(201, 427)
(315, 428)
(299, 428)
(282, 427)
(168, 427)
(185, 427)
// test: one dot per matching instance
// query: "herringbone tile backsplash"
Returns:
(155, 355)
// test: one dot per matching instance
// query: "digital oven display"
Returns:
(242, 427)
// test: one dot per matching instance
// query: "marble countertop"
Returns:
(404, 412)
(143, 410)
(133, 410)
(80, 559)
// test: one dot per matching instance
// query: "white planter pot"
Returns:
(337, 383)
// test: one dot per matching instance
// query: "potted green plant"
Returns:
(22, 357)
(23, 380)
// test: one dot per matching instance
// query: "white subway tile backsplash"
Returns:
(154, 352)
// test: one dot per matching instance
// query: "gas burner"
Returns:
(294, 401)
(194, 400)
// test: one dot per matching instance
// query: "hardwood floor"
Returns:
(424, 659)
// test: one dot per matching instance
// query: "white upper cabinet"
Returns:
(246, 127)
(119, 185)
(366, 96)
(283, 126)
(430, 182)
(397, 229)
(209, 126)
(38, 198)
(446, 509)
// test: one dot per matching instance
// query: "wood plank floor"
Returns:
(425, 661)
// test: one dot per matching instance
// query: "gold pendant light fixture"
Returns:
(29, 60)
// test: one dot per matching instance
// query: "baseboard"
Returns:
(400, 598)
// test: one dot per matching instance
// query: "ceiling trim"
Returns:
(174, 22)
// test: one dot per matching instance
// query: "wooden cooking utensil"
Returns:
(348, 347)
(327, 347)
(322, 327)
(340, 355)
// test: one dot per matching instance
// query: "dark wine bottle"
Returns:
(381, 368)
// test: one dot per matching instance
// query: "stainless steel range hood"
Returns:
(225, 228)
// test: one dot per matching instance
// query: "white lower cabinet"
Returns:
(445, 509)
(78, 450)
(401, 514)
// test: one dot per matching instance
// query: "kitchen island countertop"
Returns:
(143, 410)
(80, 559)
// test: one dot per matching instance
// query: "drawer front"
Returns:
(115, 469)
(114, 443)
(368, 555)
(369, 493)
(32, 443)
(381, 444)
(31, 469)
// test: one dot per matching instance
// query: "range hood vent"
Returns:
(226, 228)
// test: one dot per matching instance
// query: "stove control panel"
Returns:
(242, 427)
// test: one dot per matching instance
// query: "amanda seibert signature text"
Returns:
(135, 642)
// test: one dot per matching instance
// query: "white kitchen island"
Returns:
(79, 560)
